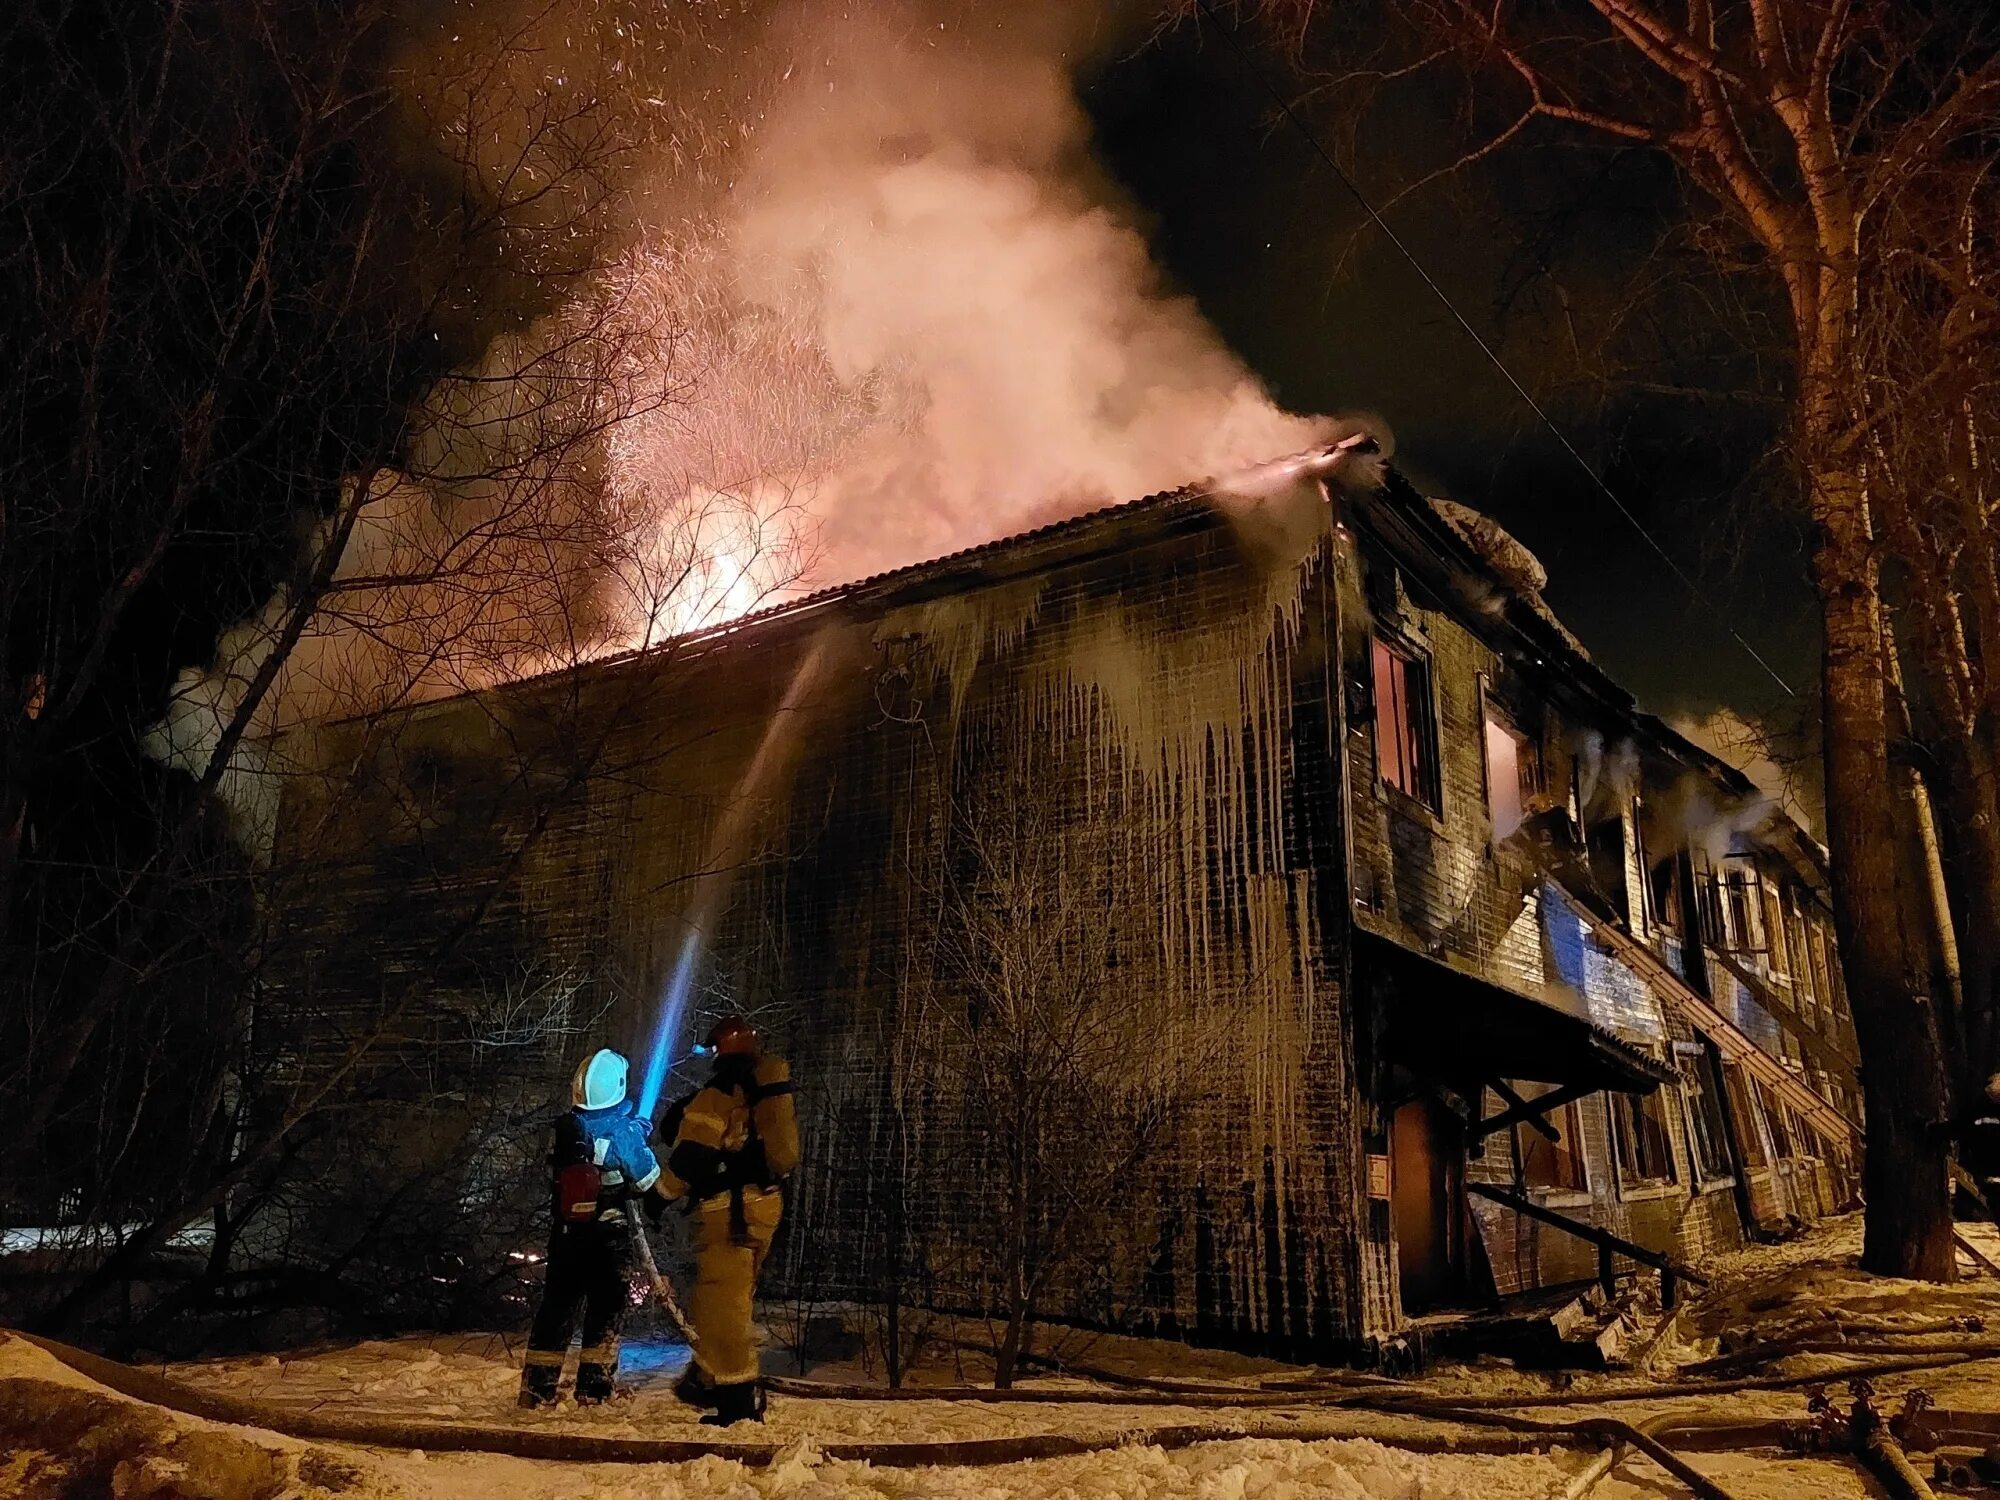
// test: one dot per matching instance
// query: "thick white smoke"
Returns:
(896, 312)
(944, 327)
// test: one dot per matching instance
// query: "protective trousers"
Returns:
(587, 1269)
(727, 1259)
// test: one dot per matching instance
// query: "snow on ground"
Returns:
(169, 1454)
(473, 1379)
(1805, 1287)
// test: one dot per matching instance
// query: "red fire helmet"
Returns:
(732, 1036)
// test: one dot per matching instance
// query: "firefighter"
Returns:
(601, 1162)
(735, 1141)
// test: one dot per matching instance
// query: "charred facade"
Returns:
(1182, 916)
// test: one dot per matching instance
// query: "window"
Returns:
(1708, 897)
(1663, 874)
(1740, 901)
(1553, 1164)
(1816, 949)
(1743, 1110)
(1664, 886)
(1513, 773)
(1774, 1116)
(1639, 1125)
(1776, 930)
(1405, 736)
(1814, 1143)
(1708, 1140)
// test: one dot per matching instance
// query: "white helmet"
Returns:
(600, 1080)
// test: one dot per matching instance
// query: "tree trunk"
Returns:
(1014, 1338)
(1924, 881)
(1970, 804)
(1907, 1173)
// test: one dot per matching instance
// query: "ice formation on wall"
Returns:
(1180, 699)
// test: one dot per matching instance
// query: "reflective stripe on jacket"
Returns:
(713, 1150)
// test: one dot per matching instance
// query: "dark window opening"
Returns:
(1707, 1138)
(1664, 887)
(1557, 1164)
(1405, 726)
(1645, 1153)
(1663, 875)
(1743, 1109)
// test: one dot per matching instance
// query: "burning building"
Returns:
(1244, 913)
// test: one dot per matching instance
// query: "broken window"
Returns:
(1665, 889)
(1405, 729)
(1775, 1118)
(1777, 930)
(1513, 773)
(1557, 1164)
(1743, 1109)
(1663, 874)
(1639, 1127)
(1707, 1134)
(1740, 904)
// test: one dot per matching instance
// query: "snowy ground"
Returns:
(1805, 1288)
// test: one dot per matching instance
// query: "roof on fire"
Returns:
(1417, 528)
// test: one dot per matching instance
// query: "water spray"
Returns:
(713, 884)
(667, 1024)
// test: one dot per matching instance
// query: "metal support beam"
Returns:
(1531, 1111)
(1606, 1242)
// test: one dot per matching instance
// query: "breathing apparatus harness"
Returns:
(747, 1165)
(580, 1190)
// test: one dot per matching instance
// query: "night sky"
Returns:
(1244, 216)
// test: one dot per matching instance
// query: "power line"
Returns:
(1326, 157)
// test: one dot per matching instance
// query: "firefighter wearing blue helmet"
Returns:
(601, 1164)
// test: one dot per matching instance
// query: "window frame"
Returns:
(1620, 1106)
(1783, 1148)
(1568, 1119)
(1425, 760)
(1739, 887)
(1741, 1096)
(1701, 1113)
(1530, 774)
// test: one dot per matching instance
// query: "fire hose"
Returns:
(663, 1289)
(1506, 1432)
(316, 1425)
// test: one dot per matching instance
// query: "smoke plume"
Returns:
(872, 302)
(928, 324)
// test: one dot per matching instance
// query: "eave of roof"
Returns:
(1535, 626)
(1069, 539)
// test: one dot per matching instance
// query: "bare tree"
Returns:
(1034, 1029)
(1800, 123)
(259, 384)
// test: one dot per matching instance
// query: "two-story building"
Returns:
(1324, 895)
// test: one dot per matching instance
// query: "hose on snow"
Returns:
(1506, 1432)
(581, 1447)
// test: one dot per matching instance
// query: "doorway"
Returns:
(1424, 1202)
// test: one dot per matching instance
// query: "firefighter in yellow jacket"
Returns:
(734, 1143)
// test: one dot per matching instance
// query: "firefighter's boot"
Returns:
(740, 1401)
(538, 1381)
(595, 1380)
(694, 1389)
